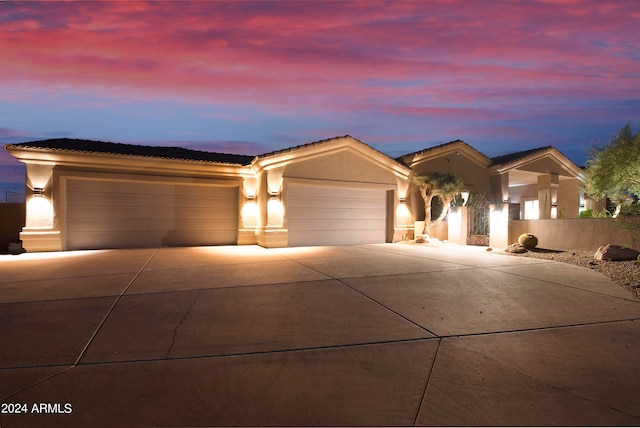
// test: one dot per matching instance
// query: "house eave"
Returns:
(109, 161)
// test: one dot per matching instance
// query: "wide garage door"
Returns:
(116, 214)
(336, 215)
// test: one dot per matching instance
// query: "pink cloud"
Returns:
(282, 56)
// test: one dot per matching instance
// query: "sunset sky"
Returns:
(250, 77)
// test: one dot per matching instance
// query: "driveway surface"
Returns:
(389, 334)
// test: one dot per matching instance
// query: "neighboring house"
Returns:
(88, 194)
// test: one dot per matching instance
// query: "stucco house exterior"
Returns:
(537, 183)
(91, 195)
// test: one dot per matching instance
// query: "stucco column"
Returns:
(499, 225)
(249, 211)
(504, 187)
(458, 224)
(273, 233)
(40, 232)
(548, 195)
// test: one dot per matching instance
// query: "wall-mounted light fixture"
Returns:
(38, 191)
(251, 197)
(403, 199)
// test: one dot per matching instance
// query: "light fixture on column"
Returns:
(38, 192)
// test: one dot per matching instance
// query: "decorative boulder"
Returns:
(516, 248)
(528, 241)
(616, 253)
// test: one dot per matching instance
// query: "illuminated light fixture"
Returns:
(465, 197)
(403, 200)
(251, 197)
(38, 191)
(554, 204)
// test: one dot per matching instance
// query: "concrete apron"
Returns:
(386, 334)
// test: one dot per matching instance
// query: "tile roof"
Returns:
(89, 146)
(440, 146)
(514, 157)
(302, 146)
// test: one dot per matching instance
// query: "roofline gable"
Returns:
(529, 156)
(456, 147)
(320, 148)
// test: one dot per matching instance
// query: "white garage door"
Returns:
(111, 214)
(335, 215)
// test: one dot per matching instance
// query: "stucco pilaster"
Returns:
(40, 232)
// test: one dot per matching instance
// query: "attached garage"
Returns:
(95, 195)
(330, 215)
(124, 214)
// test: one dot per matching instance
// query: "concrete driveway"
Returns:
(389, 334)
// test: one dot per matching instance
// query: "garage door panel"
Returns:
(319, 203)
(90, 212)
(326, 225)
(116, 214)
(341, 214)
(335, 215)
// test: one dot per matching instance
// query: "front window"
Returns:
(531, 210)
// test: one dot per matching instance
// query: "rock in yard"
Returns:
(516, 248)
(616, 253)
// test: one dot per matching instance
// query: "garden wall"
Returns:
(573, 234)
(11, 223)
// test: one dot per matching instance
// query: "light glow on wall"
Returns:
(250, 214)
(39, 213)
(275, 212)
(403, 215)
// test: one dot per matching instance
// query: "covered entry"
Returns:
(125, 214)
(329, 215)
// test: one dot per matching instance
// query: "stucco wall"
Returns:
(572, 234)
(341, 166)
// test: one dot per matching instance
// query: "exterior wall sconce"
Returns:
(251, 197)
(273, 195)
(403, 200)
(38, 192)
(554, 204)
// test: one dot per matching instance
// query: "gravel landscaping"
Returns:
(624, 273)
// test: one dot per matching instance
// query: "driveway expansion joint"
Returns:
(110, 310)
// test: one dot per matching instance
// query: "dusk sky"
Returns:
(251, 77)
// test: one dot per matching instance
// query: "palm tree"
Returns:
(444, 186)
(448, 187)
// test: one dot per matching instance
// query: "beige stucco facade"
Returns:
(333, 191)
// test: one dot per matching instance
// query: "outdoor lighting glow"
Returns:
(275, 212)
(496, 216)
(250, 214)
(39, 212)
(250, 186)
(403, 215)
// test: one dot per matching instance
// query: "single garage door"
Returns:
(335, 215)
(116, 214)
